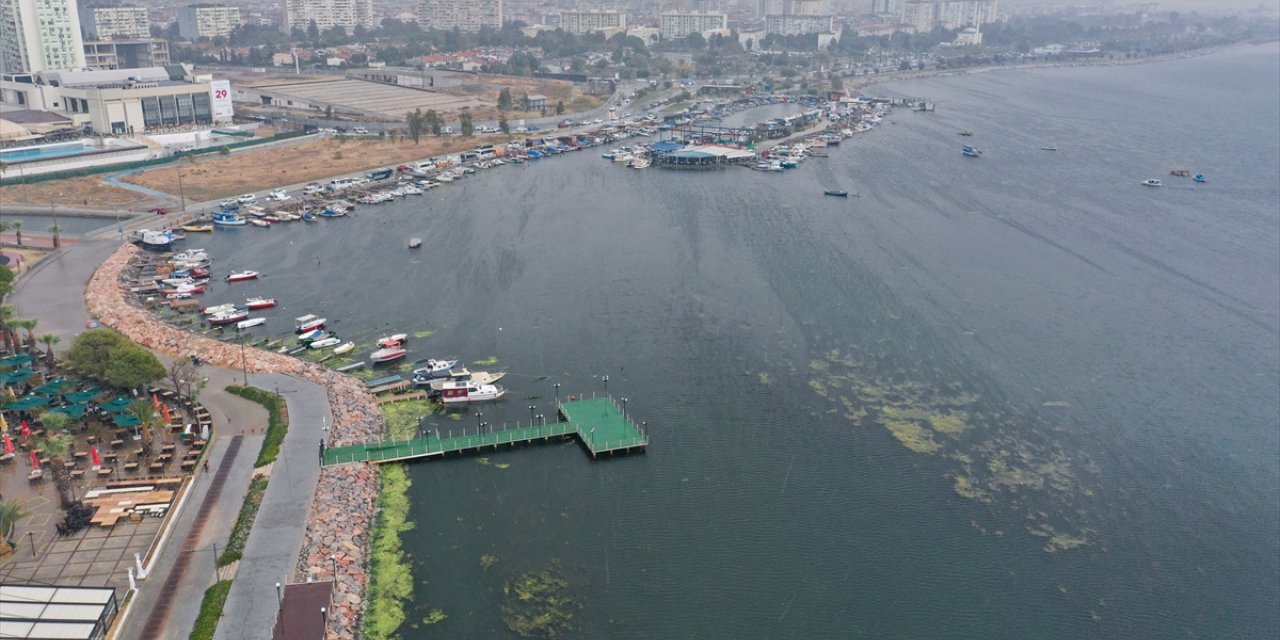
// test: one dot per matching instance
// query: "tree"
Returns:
(417, 124)
(57, 239)
(48, 340)
(17, 230)
(91, 351)
(503, 125)
(328, 112)
(11, 512)
(6, 281)
(185, 378)
(468, 129)
(132, 366)
(7, 314)
(432, 122)
(28, 325)
(504, 100)
(560, 108)
(313, 32)
(57, 447)
(148, 420)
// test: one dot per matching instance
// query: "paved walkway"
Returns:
(272, 549)
(53, 290)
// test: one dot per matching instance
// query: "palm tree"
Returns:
(7, 314)
(48, 340)
(16, 225)
(29, 325)
(148, 419)
(11, 512)
(58, 446)
(57, 239)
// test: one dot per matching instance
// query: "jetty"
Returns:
(597, 422)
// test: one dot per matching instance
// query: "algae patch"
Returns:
(538, 605)
(487, 362)
(390, 576)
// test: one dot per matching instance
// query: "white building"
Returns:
(584, 22)
(40, 35)
(799, 25)
(207, 20)
(969, 37)
(957, 14)
(679, 25)
(882, 7)
(328, 14)
(463, 15)
(919, 14)
(105, 23)
(132, 53)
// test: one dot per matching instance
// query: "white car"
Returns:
(360, 131)
(314, 187)
(597, 121)
(247, 198)
(229, 204)
(329, 131)
(279, 195)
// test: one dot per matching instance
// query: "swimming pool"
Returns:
(44, 152)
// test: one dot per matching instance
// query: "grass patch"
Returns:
(244, 521)
(277, 421)
(210, 610)
(390, 576)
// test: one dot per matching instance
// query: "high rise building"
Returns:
(584, 22)
(882, 7)
(919, 14)
(107, 22)
(706, 6)
(799, 25)
(463, 15)
(328, 14)
(924, 15)
(679, 25)
(40, 35)
(207, 20)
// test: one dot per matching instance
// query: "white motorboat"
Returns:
(1152, 182)
(155, 240)
(468, 392)
(241, 276)
(251, 322)
(313, 335)
(344, 348)
(177, 282)
(191, 255)
(393, 340)
(325, 342)
(460, 374)
(217, 309)
(258, 222)
(389, 354)
(228, 317)
(435, 368)
(303, 324)
(260, 303)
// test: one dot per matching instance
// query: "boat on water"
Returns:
(469, 392)
(393, 340)
(1048, 147)
(309, 322)
(251, 322)
(435, 368)
(197, 228)
(155, 240)
(966, 133)
(325, 342)
(228, 317)
(971, 151)
(415, 243)
(640, 163)
(838, 194)
(260, 303)
(229, 219)
(1181, 173)
(1199, 177)
(258, 222)
(309, 217)
(1152, 182)
(344, 348)
(312, 335)
(191, 288)
(208, 311)
(190, 255)
(460, 374)
(241, 276)
(388, 354)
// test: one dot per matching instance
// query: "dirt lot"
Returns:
(86, 191)
(256, 171)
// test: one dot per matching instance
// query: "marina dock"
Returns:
(597, 422)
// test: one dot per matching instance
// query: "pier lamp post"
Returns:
(557, 386)
(479, 415)
(324, 619)
(531, 410)
(644, 429)
(624, 407)
(31, 536)
(606, 385)
(279, 598)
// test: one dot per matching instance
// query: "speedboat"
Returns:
(307, 323)
(389, 354)
(242, 276)
(313, 335)
(971, 151)
(1199, 177)
(966, 132)
(325, 342)
(187, 288)
(1152, 182)
(838, 194)
(435, 368)
(228, 317)
(460, 374)
(345, 348)
(260, 303)
(1049, 148)
(191, 255)
(468, 392)
(197, 228)
(177, 282)
(393, 340)
(251, 322)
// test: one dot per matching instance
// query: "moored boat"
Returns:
(393, 340)
(435, 368)
(217, 308)
(197, 228)
(229, 219)
(325, 342)
(344, 348)
(469, 392)
(309, 322)
(251, 322)
(228, 317)
(260, 303)
(387, 355)
(241, 276)
(312, 335)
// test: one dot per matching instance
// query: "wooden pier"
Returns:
(597, 422)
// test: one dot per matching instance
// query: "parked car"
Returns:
(360, 131)
(159, 211)
(247, 198)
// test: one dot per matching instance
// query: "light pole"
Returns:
(31, 536)
(244, 362)
(334, 560)
(531, 410)
(279, 598)
(624, 407)
(479, 424)
(606, 385)
(324, 620)
(557, 386)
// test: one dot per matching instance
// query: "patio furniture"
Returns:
(117, 443)
(104, 472)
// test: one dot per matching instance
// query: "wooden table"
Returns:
(188, 464)
(80, 455)
(198, 444)
(116, 444)
(78, 473)
(168, 447)
(137, 451)
(164, 457)
(130, 466)
(105, 471)
(8, 457)
(110, 455)
(156, 466)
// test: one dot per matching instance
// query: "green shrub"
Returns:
(277, 421)
(210, 610)
(244, 522)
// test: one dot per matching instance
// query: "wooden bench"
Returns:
(105, 472)
(77, 474)
(131, 466)
(116, 444)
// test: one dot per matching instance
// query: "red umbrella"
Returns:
(155, 401)
(26, 429)
(35, 460)
(164, 411)
(8, 444)
(93, 453)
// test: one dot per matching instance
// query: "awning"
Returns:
(27, 403)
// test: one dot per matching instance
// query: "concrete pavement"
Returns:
(272, 549)
(53, 290)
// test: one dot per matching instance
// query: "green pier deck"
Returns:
(597, 422)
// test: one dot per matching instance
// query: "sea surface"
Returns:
(1019, 396)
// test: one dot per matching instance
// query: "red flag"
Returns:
(26, 429)
(35, 460)
(93, 453)
(8, 444)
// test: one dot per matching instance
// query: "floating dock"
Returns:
(597, 422)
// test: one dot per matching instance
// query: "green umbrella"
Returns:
(82, 396)
(119, 404)
(16, 360)
(27, 403)
(73, 411)
(124, 420)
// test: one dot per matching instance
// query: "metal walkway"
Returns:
(598, 422)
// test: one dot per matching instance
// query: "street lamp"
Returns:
(479, 415)
(324, 619)
(244, 363)
(624, 407)
(606, 385)
(31, 535)
(557, 386)
(279, 597)
(334, 560)
(531, 409)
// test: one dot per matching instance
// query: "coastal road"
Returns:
(271, 552)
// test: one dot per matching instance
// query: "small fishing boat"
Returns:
(217, 309)
(191, 255)
(1199, 177)
(258, 222)
(325, 342)
(177, 296)
(187, 288)
(155, 240)
(435, 368)
(251, 322)
(241, 276)
(228, 317)
(313, 335)
(344, 348)
(966, 133)
(387, 355)
(1048, 147)
(970, 151)
(415, 243)
(393, 340)
(197, 228)
(309, 322)
(469, 392)
(1152, 182)
(460, 374)
(309, 217)
(1181, 173)
(260, 303)
(838, 194)
(229, 219)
